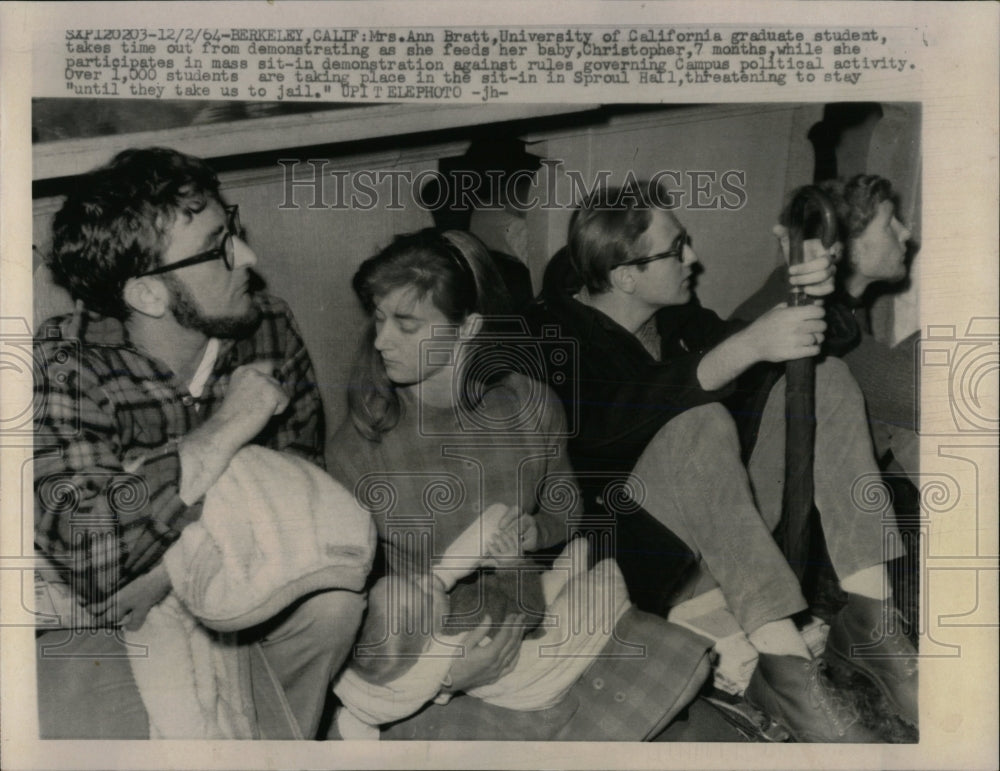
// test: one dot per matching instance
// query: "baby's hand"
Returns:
(495, 519)
(503, 543)
(518, 529)
(499, 533)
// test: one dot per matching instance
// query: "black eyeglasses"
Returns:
(676, 250)
(226, 251)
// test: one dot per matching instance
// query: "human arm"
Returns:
(253, 397)
(106, 484)
(485, 660)
(479, 664)
(781, 334)
(775, 288)
(301, 428)
(272, 398)
(615, 395)
(109, 465)
(548, 495)
(516, 532)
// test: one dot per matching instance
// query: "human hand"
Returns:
(504, 539)
(815, 274)
(253, 398)
(129, 606)
(503, 544)
(467, 550)
(785, 333)
(520, 527)
(486, 660)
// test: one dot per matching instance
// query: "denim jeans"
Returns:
(695, 484)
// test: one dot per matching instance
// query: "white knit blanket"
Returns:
(581, 615)
(274, 527)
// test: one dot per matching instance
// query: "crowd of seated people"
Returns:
(431, 568)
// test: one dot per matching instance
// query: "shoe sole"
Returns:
(749, 725)
(779, 725)
(838, 660)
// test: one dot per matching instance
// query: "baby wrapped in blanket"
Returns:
(409, 642)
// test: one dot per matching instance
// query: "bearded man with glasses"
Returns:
(169, 366)
(677, 406)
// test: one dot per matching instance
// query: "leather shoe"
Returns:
(796, 694)
(866, 636)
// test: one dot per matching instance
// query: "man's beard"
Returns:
(190, 316)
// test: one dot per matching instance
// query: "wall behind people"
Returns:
(765, 144)
(894, 153)
(880, 138)
(308, 255)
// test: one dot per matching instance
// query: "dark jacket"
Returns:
(617, 397)
(846, 318)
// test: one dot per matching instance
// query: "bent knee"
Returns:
(834, 377)
(712, 421)
(709, 426)
(333, 615)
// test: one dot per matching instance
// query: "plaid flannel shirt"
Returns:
(108, 419)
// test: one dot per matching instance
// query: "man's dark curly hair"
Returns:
(112, 225)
